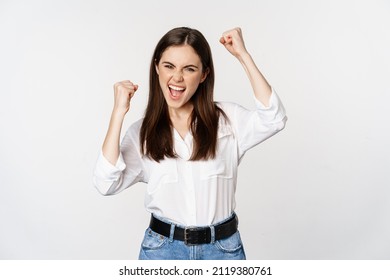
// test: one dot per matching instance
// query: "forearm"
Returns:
(261, 89)
(110, 147)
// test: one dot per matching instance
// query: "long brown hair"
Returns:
(156, 137)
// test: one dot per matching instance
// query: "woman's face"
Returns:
(180, 73)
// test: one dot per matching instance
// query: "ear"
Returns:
(204, 75)
(156, 66)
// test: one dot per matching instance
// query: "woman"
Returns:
(187, 148)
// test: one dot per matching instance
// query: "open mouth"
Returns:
(176, 91)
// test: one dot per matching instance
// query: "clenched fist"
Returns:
(234, 42)
(123, 92)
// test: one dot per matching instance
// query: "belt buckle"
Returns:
(189, 238)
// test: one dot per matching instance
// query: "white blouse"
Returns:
(192, 193)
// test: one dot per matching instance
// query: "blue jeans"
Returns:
(158, 247)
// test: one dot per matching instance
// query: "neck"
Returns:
(182, 113)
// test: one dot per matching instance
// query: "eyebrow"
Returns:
(170, 63)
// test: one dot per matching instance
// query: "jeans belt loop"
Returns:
(172, 233)
(212, 231)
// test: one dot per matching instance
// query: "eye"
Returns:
(168, 66)
(190, 69)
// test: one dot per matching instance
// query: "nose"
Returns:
(178, 76)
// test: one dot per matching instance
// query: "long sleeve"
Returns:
(111, 179)
(254, 126)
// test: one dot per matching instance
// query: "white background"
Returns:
(318, 190)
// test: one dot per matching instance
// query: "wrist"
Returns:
(118, 114)
(244, 57)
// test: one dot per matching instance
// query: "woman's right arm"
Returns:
(123, 92)
(113, 160)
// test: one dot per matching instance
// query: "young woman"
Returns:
(187, 147)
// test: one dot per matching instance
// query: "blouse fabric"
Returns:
(192, 193)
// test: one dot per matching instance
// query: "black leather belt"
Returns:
(195, 235)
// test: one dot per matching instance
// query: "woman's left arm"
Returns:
(234, 43)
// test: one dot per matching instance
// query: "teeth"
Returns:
(176, 88)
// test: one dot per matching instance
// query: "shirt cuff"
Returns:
(275, 112)
(106, 170)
